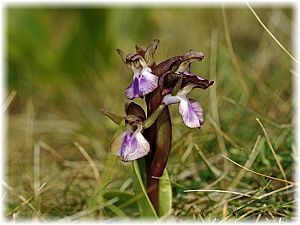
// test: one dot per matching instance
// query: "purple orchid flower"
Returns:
(143, 82)
(190, 110)
(133, 145)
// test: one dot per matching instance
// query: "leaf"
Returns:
(145, 206)
(117, 211)
(98, 198)
(164, 195)
(123, 196)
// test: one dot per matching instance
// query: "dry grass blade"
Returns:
(241, 174)
(214, 105)
(36, 172)
(216, 181)
(86, 212)
(213, 169)
(187, 152)
(36, 181)
(270, 33)
(213, 94)
(248, 164)
(260, 174)
(89, 159)
(275, 191)
(220, 191)
(273, 123)
(235, 63)
(272, 149)
(24, 202)
(257, 198)
(220, 132)
(9, 100)
(50, 149)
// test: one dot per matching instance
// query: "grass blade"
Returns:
(272, 149)
(270, 33)
(260, 174)
(145, 206)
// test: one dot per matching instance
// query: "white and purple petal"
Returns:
(169, 99)
(143, 83)
(191, 113)
(133, 146)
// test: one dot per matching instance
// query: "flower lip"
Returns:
(133, 145)
(190, 110)
(144, 81)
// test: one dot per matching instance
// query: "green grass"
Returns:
(62, 68)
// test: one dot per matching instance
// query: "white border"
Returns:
(153, 3)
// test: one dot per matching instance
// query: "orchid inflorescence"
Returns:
(163, 84)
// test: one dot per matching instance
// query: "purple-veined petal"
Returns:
(191, 113)
(143, 83)
(133, 90)
(148, 81)
(133, 146)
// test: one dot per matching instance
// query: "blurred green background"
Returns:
(62, 67)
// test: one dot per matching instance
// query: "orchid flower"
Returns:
(144, 81)
(190, 110)
(133, 144)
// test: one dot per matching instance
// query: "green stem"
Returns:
(177, 86)
(151, 119)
